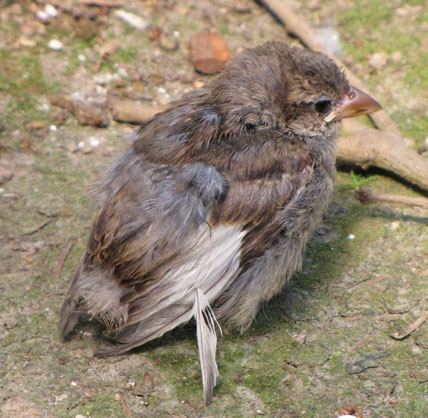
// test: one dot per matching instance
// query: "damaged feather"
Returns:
(207, 343)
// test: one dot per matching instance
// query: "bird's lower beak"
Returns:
(354, 103)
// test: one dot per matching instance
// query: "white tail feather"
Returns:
(207, 343)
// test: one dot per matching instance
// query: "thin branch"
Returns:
(38, 228)
(410, 328)
(101, 3)
(367, 196)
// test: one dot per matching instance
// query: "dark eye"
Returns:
(323, 105)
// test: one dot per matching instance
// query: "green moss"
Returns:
(104, 405)
(126, 55)
(75, 49)
(21, 77)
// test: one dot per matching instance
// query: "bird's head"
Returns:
(288, 88)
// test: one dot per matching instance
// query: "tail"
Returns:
(166, 319)
(207, 343)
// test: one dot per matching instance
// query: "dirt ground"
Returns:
(346, 335)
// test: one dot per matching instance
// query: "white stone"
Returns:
(105, 78)
(122, 72)
(135, 21)
(53, 128)
(350, 237)
(55, 44)
(51, 11)
(42, 15)
(394, 225)
(94, 141)
(161, 90)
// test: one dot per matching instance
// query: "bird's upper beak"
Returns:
(354, 103)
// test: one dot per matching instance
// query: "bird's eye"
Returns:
(323, 105)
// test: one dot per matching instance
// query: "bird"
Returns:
(207, 215)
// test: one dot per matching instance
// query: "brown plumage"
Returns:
(215, 201)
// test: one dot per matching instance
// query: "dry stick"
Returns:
(299, 28)
(38, 228)
(363, 146)
(63, 257)
(131, 111)
(410, 328)
(101, 3)
(85, 113)
(367, 196)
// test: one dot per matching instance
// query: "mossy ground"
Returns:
(337, 315)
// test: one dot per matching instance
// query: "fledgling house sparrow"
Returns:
(215, 201)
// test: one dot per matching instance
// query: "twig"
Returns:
(367, 196)
(361, 342)
(101, 3)
(302, 30)
(366, 282)
(38, 228)
(47, 214)
(409, 329)
(84, 113)
(363, 146)
(131, 111)
(63, 257)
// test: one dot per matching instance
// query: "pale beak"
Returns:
(354, 103)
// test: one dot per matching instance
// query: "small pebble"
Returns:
(122, 72)
(416, 350)
(55, 44)
(53, 128)
(133, 20)
(61, 397)
(42, 15)
(94, 141)
(328, 37)
(394, 225)
(105, 78)
(131, 384)
(350, 237)
(81, 58)
(73, 384)
(44, 106)
(51, 11)
(378, 60)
